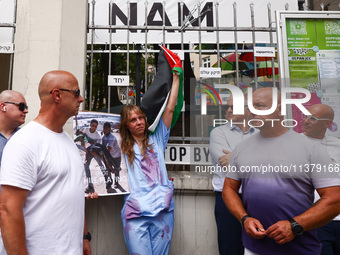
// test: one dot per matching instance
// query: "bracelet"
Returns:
(243, 219)
(88, 236)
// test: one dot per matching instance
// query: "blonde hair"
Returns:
(127, 139)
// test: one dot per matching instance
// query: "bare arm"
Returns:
(230, 196)
(320, 213)
(86, 243)
(170, 107)
(12, 219)
(323, 210)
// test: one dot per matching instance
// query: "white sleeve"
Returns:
(217, 142)
(19, 166)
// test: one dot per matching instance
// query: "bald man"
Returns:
(314, 127)
(42, 198)
(274, 167)
(13, 110)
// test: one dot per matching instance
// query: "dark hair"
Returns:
(94, 121)
(107, 124)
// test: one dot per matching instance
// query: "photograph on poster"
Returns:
(98, 140)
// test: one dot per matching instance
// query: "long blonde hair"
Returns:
(127, 139)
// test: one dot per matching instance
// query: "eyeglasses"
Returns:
(311, 118)
(229, 106)
(22, 106)
(76, 92)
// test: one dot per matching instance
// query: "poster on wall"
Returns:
(313, 49)
(98, 140)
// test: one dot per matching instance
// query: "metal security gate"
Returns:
(7, 30)
(213, 45)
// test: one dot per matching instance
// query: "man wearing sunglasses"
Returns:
(223, 140)
(42, 197)
(13, 110)
(314, 127)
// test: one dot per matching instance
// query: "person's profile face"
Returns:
(231, 116)
(13, 111)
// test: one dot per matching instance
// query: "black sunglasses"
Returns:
(22, 106)
(75, 92)
(229, 106)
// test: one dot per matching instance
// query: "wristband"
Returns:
(243, 219)
(88, 236)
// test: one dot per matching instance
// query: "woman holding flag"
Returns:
(148, 211)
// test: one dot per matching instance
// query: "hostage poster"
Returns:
(98, 140)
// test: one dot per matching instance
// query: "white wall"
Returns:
(50, 35)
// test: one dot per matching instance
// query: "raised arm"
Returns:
(170, 107)
(12, 219)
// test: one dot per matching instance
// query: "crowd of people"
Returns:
(272, 212)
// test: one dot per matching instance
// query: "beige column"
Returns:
(50, 35)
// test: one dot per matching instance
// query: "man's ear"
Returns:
(329, 123)
(56, 95)
(3, 107)
(278, 108)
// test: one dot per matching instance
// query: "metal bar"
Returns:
(183, 113)
(200, 64)
(128, 51)
(12, 54)
(91, 58)
(124, 27)
(109, 72)
(218, 54)
(271, 41)
(236, 44)
(179, 138)
(254, 42)
(146, 47)
(163, 15)
(9, 24)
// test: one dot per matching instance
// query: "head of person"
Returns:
(59, 92)
(133, 122)
(230, 109)
(316, 124)
(263, 100)
(107, 128)
(93, 125)
(133, 127)
(13, 108)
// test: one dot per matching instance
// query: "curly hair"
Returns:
(128, 141)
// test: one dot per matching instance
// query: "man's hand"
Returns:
(92, 195)
(86, 247)
(224, 160)
(254, 228)
(281, 232)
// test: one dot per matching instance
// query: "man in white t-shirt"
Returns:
(314, 127)
(42, 199)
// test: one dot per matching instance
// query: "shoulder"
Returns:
(220, 130)
(255, 138)
(332, 139)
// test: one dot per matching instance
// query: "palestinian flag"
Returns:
(156, 97)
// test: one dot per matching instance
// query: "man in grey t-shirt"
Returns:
(275, 170)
